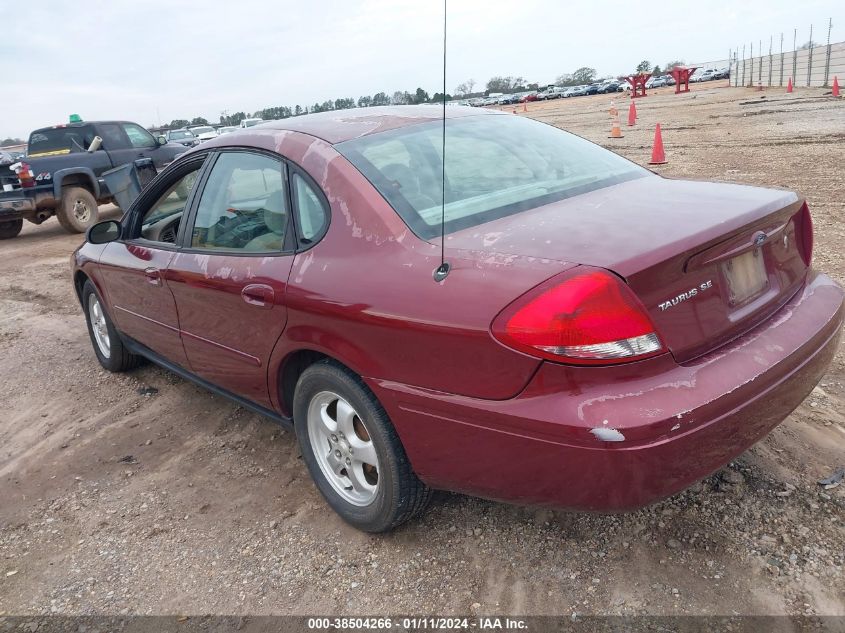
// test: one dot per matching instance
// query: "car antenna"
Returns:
(442, 270)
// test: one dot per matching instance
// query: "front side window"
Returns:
(161, 221)
(138, 136)
(243, 206)
(495, 166)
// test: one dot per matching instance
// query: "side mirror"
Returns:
(95, 144)
(162, 140)
(103, 232)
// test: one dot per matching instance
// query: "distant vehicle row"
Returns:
(196, 134)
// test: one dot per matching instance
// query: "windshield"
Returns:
(181, 134)
(495, 166)
(61, 140)
(201, 130)
(251, 122)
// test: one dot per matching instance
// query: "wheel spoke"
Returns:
(355, 472)
(329, 425)
(345, 418)
(364, 451)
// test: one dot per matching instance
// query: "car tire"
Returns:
(335, 414)
(77, 210)
(8, 230)
(108, 346)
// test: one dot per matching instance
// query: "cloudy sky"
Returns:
(155, 60)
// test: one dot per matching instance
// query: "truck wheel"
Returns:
(352, 451)
(77, 210)
(11, 229)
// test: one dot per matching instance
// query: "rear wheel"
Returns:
(352, 451)
(77, 210)
(11, 229)
(108, 347)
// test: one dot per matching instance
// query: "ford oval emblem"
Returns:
(759, 239)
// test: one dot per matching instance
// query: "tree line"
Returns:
(400, 97)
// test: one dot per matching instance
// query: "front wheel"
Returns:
(11, 229)
(77, 210)
(352, 451)
(110, 350)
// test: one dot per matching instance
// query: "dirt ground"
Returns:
(141, 493)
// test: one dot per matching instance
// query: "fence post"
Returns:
(795, 56)
(827, 57)
(751, 64)
(760, 66)
(770, 60)
(810, 57)
(781, 59)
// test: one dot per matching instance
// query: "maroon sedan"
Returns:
(603, 337)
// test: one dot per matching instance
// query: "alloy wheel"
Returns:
(343, 448)
(98, 325)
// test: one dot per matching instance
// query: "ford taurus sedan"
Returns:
(599, 338)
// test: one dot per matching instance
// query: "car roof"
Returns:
(338, 126)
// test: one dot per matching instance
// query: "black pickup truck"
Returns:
(62, 172)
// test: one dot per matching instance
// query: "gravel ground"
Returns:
(140, 493)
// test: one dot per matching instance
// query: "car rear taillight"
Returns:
(24, 174)
(589, 318)
(805, 237)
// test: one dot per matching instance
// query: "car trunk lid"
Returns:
(708, 260)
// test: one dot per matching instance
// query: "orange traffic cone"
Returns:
(835, 86)
(658, 157)
(524, 107)
(632, 114)
(789, 85)
(615, 130)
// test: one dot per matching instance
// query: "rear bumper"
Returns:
(679, 422)
(15, 208)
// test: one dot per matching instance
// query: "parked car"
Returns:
(575, 91)
(655, 82)
(624, 336)
(722, 73)
(251, 122)
(592, 89)
(203, 132)
(62, 172)
(528, 96)
(610, 86)
(183, 137)
(508, 99)
(7, 157)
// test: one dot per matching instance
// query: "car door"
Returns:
(230, 277)
(141, 303)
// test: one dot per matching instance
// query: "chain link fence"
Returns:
(808, 65)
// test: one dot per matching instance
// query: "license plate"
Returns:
(746, 276)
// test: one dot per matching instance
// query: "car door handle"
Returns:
(260, 295)
(153, 276)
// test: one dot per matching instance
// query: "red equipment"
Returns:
(681, 75)
(637, 84)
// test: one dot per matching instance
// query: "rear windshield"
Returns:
(495, 166)
(62, 140)
(181, 134)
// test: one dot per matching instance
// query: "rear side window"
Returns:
(243, 206)
(62, 140)
(495, 166)
(311, 213)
